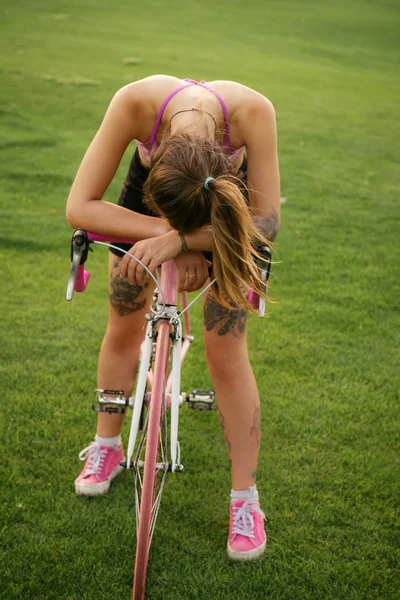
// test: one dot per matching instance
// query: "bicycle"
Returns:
(165, 340)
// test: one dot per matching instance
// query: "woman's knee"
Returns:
(119, 339)
(126, 299)
(226, 363)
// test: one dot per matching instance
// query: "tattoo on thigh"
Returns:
(226, 434)
(125, 298)
(222, 319)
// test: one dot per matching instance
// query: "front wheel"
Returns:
(151, 463)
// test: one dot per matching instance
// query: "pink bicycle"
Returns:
(165, 346)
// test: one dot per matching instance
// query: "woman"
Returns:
(190, 190)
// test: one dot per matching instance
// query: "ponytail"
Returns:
(235, 240)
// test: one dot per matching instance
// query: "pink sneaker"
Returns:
(247, 537)
(102, 465)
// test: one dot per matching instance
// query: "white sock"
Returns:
(250, 494)
(108, 441)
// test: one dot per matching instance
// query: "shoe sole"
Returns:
(249, 555)
(97, 489)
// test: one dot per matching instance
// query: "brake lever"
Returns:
(264, 264)
(80, 246)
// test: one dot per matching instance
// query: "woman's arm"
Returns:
(263, 168)
(85, 207)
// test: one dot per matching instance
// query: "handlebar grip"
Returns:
(82, 279)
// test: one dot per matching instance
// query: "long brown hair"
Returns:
(175, 189)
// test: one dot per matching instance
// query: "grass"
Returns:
(326, 360)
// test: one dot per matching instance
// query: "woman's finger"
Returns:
(181, 278)
(132, 270)
(123, 265)
(140, 271)
(198, 281)
(190, 279)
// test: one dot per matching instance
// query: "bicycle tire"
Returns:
(149, 471)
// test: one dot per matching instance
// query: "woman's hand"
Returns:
(192, 271)
(152, 252)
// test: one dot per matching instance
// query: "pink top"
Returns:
(146, 148)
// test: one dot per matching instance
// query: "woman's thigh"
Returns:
(128, 304)
(224, 334)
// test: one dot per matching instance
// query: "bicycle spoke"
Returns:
(161, 468)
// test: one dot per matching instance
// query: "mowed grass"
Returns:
(326, 359)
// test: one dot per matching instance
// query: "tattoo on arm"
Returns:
(223, 320)
(269, 225)
(124, 297)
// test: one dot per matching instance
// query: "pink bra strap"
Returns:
(152, 138)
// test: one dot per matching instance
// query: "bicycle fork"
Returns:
(175, 397)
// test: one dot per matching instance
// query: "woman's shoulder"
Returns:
(235, 91)
(245, 105)
(246, 108)
(144, 97)
(150, 87)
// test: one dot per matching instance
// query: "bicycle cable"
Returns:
(197, 297)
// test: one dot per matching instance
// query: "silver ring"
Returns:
(190, 276)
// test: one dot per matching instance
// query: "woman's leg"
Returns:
(120, 350)
(117, 369)
(239, 410)
(235, 388)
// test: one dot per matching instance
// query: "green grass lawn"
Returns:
(326, 360)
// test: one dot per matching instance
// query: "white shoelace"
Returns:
(243, 520)
(96, 457)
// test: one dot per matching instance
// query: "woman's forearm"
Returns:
(106, 218)
(200, 239)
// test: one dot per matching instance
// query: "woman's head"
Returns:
(175, 189)
(175, 186)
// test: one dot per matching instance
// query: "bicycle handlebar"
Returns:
(79, 277)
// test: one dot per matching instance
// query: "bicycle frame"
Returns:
(166, 320)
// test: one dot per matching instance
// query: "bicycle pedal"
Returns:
(178, 468)
(202, 400)
(117, 403)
